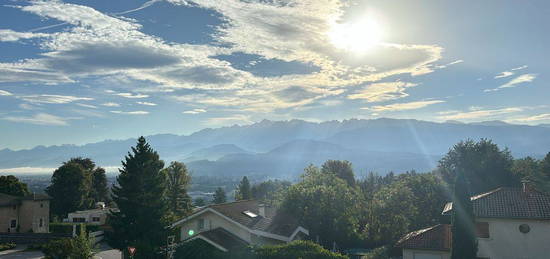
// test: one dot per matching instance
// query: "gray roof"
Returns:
(224, 238)
(507, 202)
(279, 223)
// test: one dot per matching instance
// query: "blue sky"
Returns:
(89, 70)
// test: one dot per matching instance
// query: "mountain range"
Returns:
(284, 148)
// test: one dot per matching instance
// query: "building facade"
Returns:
(511, 223)
(30, 213)
(236, 224)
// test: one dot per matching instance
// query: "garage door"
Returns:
(426, 256)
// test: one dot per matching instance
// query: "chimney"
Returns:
(261, 209)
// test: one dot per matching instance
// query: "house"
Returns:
(97, 216)
(232, 225)
(30, 213)
(511, 223)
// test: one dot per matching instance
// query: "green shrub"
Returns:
(7, 246)
(67, 228)
(297, 249)
(65, 248)
(378, 253)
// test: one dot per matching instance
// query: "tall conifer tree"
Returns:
(463, 221)
(219, 196)
(139, 195)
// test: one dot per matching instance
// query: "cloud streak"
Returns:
(39, 119)
(403, 106)
(525, 78)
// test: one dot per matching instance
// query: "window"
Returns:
(41, 205)
(41, 223)
(201, 224)
(79, 220)
(14, 207)
(13, 223)
(482, 229)
(524, 228)
(250, 214)
(95, 219)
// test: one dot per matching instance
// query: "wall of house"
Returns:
(507, 242)
(30, 213)
(212, 221)
(89, 216)
(7, 213)
(425, 254)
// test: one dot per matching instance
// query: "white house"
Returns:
(96, 216)
(230, 225)
(511, 223)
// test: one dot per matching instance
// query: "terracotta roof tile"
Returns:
(433, 238)
(507, 202)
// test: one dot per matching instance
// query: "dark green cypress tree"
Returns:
(139, 195)
(464, 244)
(219, 196)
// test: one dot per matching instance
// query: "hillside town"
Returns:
(479, 199)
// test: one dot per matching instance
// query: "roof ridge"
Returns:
(227, 203)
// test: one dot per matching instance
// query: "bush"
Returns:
(67, 228)
(378, 253)
(297, 249)
(7, 246)
(78, 247)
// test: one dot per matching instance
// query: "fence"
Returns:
(96, 237)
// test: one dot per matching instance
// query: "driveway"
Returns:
(106, 252)
(24, 255)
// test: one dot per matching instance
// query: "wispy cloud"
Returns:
(39, 119)
(525, 78)
(477, 113)
(403, 106)
(378, 92)
(132, 96)
(504, 74)
(53, 99)
(519, 68)
(194, 111)
(131, 112)
(539, 117)
(10, 35)
(110, 104)
(87, 105)
(147, 103)
(5, 93)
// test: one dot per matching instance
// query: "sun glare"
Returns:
(358, 36)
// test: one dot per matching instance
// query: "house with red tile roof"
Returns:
(511, 223)
(233, 225)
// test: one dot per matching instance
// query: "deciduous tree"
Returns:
(486, 166)
(12, 186)
(342, 169)
(178, 180)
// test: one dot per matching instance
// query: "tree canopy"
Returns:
(243, 191)
(219, 196)
(342, 169)
(177, 183)
(486, 166)
(70, 189)
(327, 206)
(12, 186)
(139, 194)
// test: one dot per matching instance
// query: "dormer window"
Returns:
(250, 214)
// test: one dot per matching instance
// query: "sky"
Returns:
(88, 70)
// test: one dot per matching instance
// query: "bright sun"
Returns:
(359, 36)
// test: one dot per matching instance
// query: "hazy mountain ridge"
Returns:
(286, 147)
